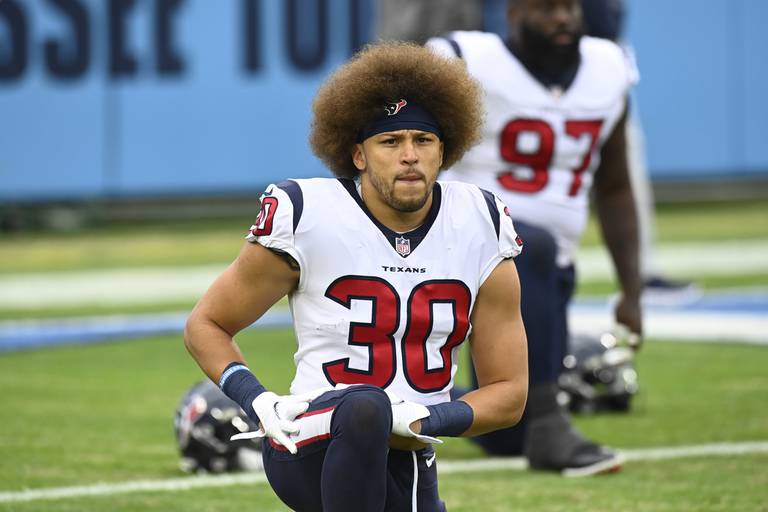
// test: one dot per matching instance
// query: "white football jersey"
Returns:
(374, 306)
(541, 146)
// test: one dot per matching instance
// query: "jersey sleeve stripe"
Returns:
(456, 48)
(293, 190)
(490, 200)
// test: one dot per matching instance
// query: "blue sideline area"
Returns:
(30, 334)
(726, 301)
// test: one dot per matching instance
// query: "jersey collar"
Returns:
(403, 243)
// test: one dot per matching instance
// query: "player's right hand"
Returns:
(626, 337)
(276, 417)
(277, 414)
(629, 322)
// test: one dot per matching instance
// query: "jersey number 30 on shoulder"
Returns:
(379, 334)
(263, 224)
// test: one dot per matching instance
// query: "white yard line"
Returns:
(444, 467)
(122, 286)
(695, 326)
(170, 485)
(687, 259)
(108, 287)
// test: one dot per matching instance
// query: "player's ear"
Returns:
(358, 157)
(442, 152)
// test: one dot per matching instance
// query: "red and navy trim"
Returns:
(293, 190)
(317, 435)
(493, 210)
(415, 236)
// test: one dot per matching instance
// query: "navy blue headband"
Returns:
(401, 115)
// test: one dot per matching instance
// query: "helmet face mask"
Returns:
(598, 375)
(204, 422)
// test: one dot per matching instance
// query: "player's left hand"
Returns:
(405, 415)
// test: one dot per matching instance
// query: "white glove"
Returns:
(404, 413)
(277, 414)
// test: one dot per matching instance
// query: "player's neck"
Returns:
(549, 68)
(392, 218)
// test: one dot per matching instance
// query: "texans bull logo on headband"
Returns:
(393, 108)
(396, 117)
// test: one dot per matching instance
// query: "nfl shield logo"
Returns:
(403, 246)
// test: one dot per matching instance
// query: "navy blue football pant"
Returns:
(545, 291)
(344, 464)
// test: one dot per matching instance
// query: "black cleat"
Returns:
(553, 444)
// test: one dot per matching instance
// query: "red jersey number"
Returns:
(378, 334)
(263, 224)
(539, 160)
(419, 327)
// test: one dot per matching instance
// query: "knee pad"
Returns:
(365, 411)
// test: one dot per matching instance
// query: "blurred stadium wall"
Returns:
(126, 104)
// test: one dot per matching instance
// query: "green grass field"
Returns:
(217, 242)
(103, 413)
(82, 415)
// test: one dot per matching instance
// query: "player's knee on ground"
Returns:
(363, 417)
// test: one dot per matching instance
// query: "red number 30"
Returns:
(379, 334)
(540, 160)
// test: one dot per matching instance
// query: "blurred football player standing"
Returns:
(557, 108)
(387, 272)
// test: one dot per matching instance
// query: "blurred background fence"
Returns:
(113, 101)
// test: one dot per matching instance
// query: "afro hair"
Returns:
(355, 94)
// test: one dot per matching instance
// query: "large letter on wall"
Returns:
(73, 63)
(13, 62)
